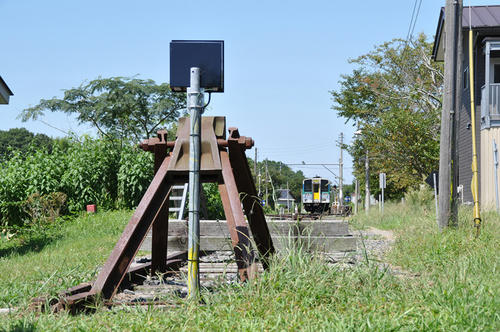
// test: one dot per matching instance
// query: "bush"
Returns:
(134, 176)
(215, 210)
(424, 196)
(44, 208)
(88, 172)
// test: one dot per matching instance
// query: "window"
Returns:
(324, 186)
(316, 187)
(307, 186)
(496, 73)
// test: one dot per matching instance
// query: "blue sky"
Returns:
(281, 59)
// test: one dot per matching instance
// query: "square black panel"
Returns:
(208, 55)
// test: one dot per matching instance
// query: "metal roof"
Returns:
(480, 17)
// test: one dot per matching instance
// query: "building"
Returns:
(285, 199)
(485, 24)
(5, 92)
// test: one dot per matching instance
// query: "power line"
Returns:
(415, 20)
(411, 21)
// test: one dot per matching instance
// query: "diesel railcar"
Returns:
(316, 195)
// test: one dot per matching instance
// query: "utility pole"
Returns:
(255, 164)
(367, 183)
(446, 144)
(459, 72)
(356, 193)
(341, 172)
(260, 177)
(267, 180)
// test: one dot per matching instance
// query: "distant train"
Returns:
(316, 195)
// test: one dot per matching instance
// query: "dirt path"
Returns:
(387, 235)
(376, 242)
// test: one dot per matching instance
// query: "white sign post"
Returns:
(382, 186)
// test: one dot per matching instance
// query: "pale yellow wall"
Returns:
(487, 171)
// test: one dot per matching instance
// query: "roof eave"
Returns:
(437, 36)
(5, 92)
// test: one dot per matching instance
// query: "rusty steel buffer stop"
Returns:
(200, 153)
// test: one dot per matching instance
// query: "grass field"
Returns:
(453, 284)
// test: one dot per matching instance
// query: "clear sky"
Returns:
(281, 59)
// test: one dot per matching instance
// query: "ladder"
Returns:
(178, 198)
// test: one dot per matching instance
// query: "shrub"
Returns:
(134, 176)
(423, 196)
(90, 171)
(90, 174)
(44, 208)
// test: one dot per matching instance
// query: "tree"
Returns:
(281, 176)
(21, 139)
(394, 97)
(118, 107)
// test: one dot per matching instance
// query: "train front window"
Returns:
(307, 186)
(316, 187)
(324, 186)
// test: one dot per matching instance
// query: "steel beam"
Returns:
(136, 230)
(236, 223)
(248, 193)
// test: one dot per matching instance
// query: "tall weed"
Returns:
(89, 171)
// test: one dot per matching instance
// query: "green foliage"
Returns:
(44, 208)
(90, 174)
(20, 139)
(280, 176)
(423, 196)
(394, 97)
(134, 176)
(215, 209)
(118, 107)
(87, 172)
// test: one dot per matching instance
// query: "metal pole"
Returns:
(436, 197)
(495, 174)
(383, 199)
(195, 108)
(356, 192)
(287, 201)
(367, 183)
(341, 172)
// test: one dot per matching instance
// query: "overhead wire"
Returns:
(411, 21)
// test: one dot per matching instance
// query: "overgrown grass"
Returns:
(45, 261)
(456, 290)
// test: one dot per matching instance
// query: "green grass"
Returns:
(457, 287)
(50, 260)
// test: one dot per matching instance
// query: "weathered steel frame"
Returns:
(228, 159)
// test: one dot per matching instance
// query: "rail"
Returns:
(490, 105)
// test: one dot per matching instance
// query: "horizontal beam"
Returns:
(222, 243)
